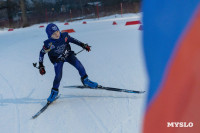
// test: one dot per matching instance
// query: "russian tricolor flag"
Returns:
(171, 41)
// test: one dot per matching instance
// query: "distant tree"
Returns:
(24, 16)
(9, 12)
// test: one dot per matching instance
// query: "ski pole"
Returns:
(35, 64)
(79, 51)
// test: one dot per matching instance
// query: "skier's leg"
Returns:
(58, 75)
(84, 77)
(77, 64)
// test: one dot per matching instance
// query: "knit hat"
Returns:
(50, 29)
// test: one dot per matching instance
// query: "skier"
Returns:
(59, 51)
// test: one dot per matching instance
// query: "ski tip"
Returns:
(138, 92)
(132, 91)
(141, 91)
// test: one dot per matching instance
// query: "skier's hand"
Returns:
(86, 47)
(41, 68)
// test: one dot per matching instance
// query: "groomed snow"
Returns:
(116, 60)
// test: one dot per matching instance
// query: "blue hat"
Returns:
(50, 29)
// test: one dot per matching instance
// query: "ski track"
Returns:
(16, 105)
(35, 86)
(108, 63)
(95, 116)
(120, 125)
(33, 90)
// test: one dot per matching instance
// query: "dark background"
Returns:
(23, 13)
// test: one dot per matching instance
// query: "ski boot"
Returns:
(53, 95)
(88, 83)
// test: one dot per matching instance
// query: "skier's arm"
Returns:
(75, 41)
(41, 57)
(45, 49)
(42, 53)
(79, 43)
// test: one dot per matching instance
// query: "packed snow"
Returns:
(116, 60)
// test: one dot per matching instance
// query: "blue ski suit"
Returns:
(55, 48)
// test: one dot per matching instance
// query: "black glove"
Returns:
(41, 68)
(86, 47)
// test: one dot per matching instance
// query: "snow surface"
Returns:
(116, 60)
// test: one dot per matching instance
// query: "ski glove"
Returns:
(41, 68)
(86, 47)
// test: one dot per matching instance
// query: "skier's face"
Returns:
(56, 35)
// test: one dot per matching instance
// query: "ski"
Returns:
(105, 88)
(44, 108)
